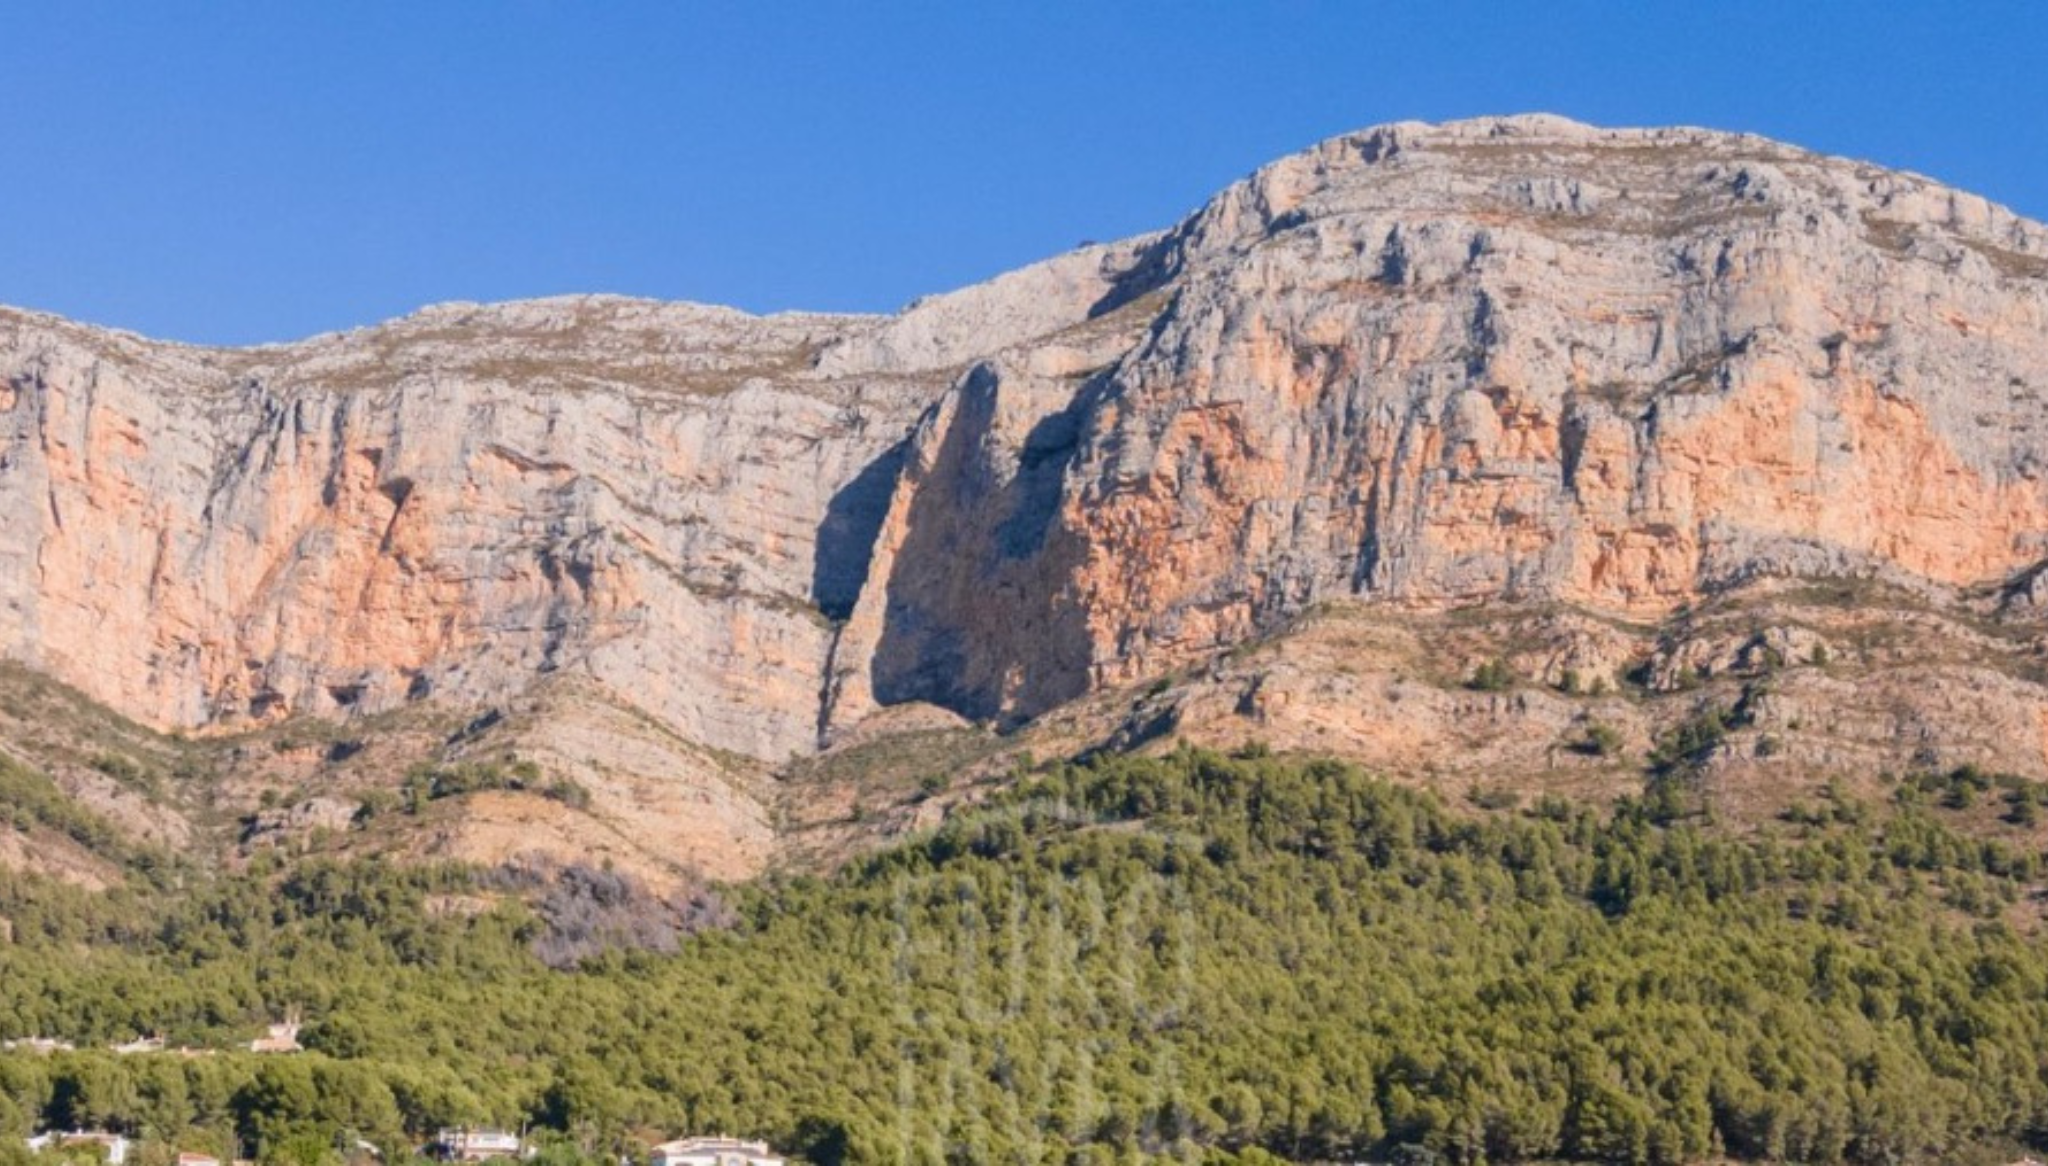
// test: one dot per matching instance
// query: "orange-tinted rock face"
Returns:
(1425, 365)
(1513, 360)
(226, 538)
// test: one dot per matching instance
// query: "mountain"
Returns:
(1510, 455)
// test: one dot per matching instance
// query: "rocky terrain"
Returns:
(1432, 446)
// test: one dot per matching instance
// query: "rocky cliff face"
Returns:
(675, 500)
(1431, 366)
(447, 506)
(1498, 360)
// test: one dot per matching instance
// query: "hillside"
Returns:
(1190, 958)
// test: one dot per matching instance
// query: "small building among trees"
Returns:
(114, 1146)
(468, 1145)
(720, 1151)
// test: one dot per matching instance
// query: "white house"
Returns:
(115, 1145)
(467, 1145)
(38, 1044)
(714, 1152)
(279, 1038)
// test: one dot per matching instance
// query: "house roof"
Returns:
(689, 1145)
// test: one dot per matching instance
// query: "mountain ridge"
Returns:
(1561, 124)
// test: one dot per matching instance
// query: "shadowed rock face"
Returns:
(1518, 359)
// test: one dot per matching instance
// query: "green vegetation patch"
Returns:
(1190, 956)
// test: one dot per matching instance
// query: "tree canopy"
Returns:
(1190, 956)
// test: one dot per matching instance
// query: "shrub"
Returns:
(2021, 808)
(1498, 797)
(1601, 740)
(569, 792)
(1691, 742)
(375, 803)
(1492, 676)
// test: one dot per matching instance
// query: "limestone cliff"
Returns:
(1426, 366)
(1513, 359)
(675, 500)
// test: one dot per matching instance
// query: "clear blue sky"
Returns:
(236, 172)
